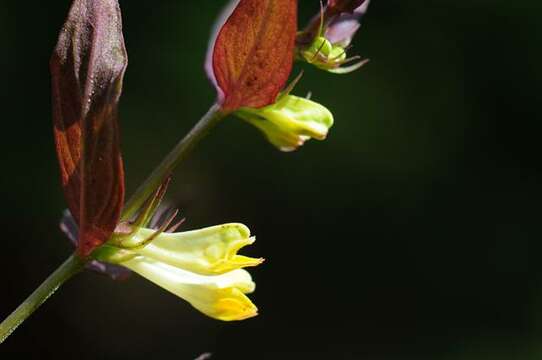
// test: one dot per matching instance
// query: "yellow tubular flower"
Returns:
(208, 251)
(221, 296)
(201, 266)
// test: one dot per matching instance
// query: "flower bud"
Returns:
(325, 40)
(323, 54)
(290, 121)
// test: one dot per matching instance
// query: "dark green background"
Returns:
(412, 232)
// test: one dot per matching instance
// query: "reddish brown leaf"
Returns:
(254, 52)
(87, 68)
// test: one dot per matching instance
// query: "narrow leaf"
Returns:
(87, 68)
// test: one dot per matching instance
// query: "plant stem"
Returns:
(179, 152)
(70, 267)
(74, 263)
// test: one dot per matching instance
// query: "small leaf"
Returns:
(253, 52)
(87, 69)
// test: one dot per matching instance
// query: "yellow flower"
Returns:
(220, 296)
(201, 266)
(207, 251)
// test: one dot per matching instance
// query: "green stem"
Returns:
(181, 150)
(70, 267)
(74, 264)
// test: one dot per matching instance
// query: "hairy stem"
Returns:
(70, 267)
(179, 152)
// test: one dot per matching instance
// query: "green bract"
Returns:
(290, 121)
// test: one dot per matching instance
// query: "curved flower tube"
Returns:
(208, 251)
(221, 297)
(201, 266)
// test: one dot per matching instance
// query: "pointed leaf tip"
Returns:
(253, 52)
(87, 69)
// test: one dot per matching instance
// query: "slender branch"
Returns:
(70, 267)
(181, 150)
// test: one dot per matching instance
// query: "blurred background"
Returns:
(412, 232)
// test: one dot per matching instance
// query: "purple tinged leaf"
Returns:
(87, 69)
(344, 6)
(344, 26)
(222, 18)
(253, 52)
(339, 21)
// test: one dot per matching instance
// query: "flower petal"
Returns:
(221, 297)
(209, 251)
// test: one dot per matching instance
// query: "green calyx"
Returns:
(329, 57)
(323, 54)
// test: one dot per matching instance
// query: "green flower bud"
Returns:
(323, 54)
(290, 121)
(323, 43)
(320, 45)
